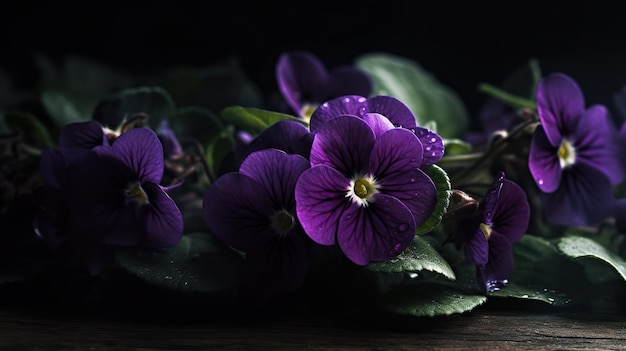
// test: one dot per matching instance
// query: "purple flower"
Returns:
(395, 110)
(573, 154)
(488, 233)
(107, 195)
(365, 189)
(286, 135)
(305, 82)
(254, 211)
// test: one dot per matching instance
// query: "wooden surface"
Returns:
(481, 329)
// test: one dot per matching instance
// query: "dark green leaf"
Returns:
(442, 183)
(154, 102)
(420, 255)
(254, 120)
(548, 296)
(61, 109)
(196, 122)
(198, 263)
(578, 247)
(217, 150)
(429, 300)
(35, 132)
(429, 100)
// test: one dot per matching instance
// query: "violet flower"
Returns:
(573, 154)
(110, 196)
(489, 233)
(254, 211)
(305, 82)
(286, 135)
(395, 110)
(365, 189)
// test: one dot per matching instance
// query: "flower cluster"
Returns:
(362, 183)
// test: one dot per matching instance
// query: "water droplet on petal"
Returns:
(540, 182)
(412, 180)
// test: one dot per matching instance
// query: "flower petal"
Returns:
(299, 75)
(351, 105)
(543, 162)
(432, 143)
(511, 214)
(321, 201)
(477, 248)
(141, 150)
(395, 110)
(290, 136)
(397, 150)
(163, 219)
(378, 123)
(344, 143)
(76, 138)
(560, 103)
(278, 173)
(237, 210)
(378, 232)
(500, 265)
(415, 189)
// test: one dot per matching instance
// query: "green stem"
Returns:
(513, 100)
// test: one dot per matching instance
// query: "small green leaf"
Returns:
(429, 100)
(155, 102)
(196, 122)
(456, 147)
(217, 150)
(198, 263)
(429, 300)
(443, 186)
(61, 109)
(580, 247)
(34, 130)
(420, 255)
(254, 120)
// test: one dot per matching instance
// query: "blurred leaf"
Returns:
(196, 122)
(254, 120)
(61, 109)
(523, 82)
(429, 100)
(420, 255)
(198, 263)
(35, 132)
(429, 300)
(578, 247)
(217, 150)
(514, 290)
(456, 147)
(155, 102)
(443, 186)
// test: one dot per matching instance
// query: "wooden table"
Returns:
(481, 329)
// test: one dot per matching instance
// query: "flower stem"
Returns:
(513, 100)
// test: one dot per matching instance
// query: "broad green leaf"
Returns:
(34, 130)
(580, 247)
(155, 102)
(254, 120)
(61, 109)
(196, 122)
(429, 100)
(198, 263)
(443, 186)
(456, 147)
(514, 290)
(429, 300)
(420, 255)
(217, 150)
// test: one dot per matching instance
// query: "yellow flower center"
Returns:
(567, 154)
(307, 111)
(362, 189)
(486, 230)
(135, 194)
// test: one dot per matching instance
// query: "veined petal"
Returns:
(543, 162)
(321, 202)
(500, 265)
(377, 232)
(237, 210)
(585, 197)
(76, 138)
(299, 75)
(477, 248)
(432, 143)
(351, 105)
(344, 143)
(290, 136)
(595, 140)
(415, 189)
(560, 102)
(141, 150)
(277, 172)
(378, 123)
(395, 110)
(163, 219)
(512, 212)
(397, 150)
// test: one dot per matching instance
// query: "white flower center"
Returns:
(567, 154)
(362, 189)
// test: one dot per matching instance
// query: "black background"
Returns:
(461, 43)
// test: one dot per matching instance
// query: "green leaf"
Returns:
(508, 98)
(198, 263)
(420, 255)
(34, 130)
(548, 296)
(456, 147)
(196, 122)
(254, 120)
(429, 300)
(61, 109)
(581, 247)
(429, 100)
(217, 150)
(155, 102)
(443, 186)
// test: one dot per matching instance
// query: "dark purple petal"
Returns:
(415, 189)
(395, 110)
(543, 162)
(237, 210)
(378, 123)
(560, 103)
(489, 202)
(53, 167)
(76, 138)
(299, 76)
(377, 232)
(595, 143)
(512, 212)
(171, 146)
(163, 220)
(500, 265)
(141, 151)
(584, 197)
(348, 80)
(397, 150)
(278, 173)
(321, 201)
(290, 136)
(351, 105)
(344, 143)
(433, 145)
(477, 247)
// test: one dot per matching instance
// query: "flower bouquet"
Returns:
(366, 188)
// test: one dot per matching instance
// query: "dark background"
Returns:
(462, 43)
